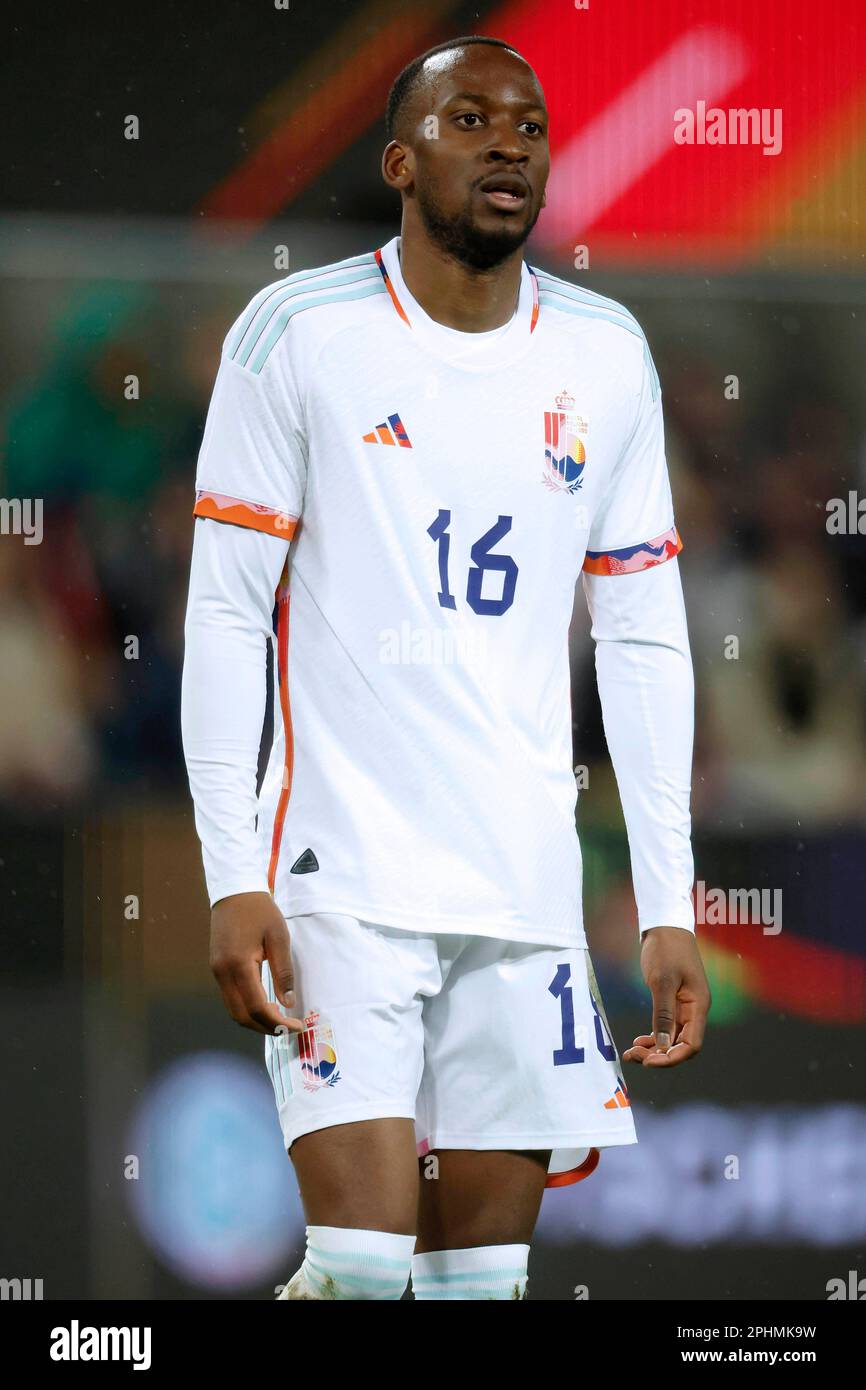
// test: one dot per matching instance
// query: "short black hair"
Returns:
(405, 82)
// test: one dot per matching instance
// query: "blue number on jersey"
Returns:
(481, 560)
(439, 532)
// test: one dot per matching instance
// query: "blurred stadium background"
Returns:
(142, 1155)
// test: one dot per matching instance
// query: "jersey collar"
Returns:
(443, 339)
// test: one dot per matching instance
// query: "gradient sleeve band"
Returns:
(646, 688)
(630, 559)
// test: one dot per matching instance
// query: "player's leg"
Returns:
(519, 1062)
(363, 1174)
(359, 1187)
(479, 1197)
(477, 1211)
(345, 1091)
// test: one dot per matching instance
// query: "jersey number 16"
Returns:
(482, 561)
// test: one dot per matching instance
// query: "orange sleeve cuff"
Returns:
(254, 515)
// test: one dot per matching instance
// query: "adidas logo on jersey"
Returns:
(382, 434)
(619, 1099)
(306, 863)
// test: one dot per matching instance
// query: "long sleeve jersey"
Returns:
(401, 512)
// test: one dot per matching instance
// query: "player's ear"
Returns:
(394, 165)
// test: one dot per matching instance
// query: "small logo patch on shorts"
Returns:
(317, 1053)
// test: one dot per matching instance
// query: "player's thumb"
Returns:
(664, 1012)
(279, 953)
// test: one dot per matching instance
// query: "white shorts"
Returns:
(485, 1044)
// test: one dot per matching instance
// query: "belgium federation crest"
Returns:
(317, 1052)
(564, 451)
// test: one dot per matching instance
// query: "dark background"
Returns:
(142, 1154)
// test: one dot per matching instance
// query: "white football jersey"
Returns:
(441, 492)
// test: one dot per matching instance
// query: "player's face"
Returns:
(481, 167)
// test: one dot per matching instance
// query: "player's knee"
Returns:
(343, 1263)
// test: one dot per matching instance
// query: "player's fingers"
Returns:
(646, 1056)
(687, 1044)
(691, 1035)
(679, 1052)
(639, 1048)
(278, 951)
(234, 1003)
(260, 1014)
(664, 992)
(695, 1024)
(644, 1048)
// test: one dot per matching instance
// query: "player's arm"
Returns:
(250, 484)
(233, 577)
(646, 687)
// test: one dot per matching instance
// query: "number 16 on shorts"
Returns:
(570, 1053)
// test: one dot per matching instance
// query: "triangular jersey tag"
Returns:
(306, 863)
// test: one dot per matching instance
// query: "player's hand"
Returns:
(246, 929)
(674, 971)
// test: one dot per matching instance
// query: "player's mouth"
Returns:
(505, 191)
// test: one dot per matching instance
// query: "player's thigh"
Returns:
(362, 1175)
(471, 1197)
(346, 1087)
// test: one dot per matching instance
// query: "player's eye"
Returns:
(475, 117)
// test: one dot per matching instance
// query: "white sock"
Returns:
(297, 1287)
(345, 1263)
(485, 1271)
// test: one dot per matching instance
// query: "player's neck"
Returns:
(472, 301)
